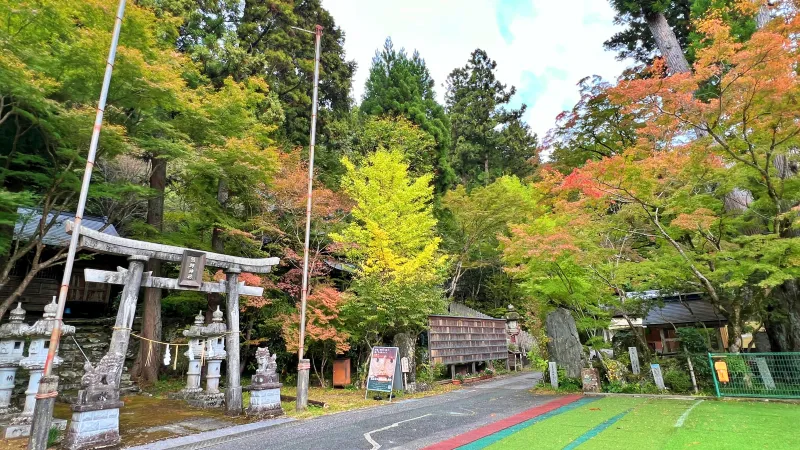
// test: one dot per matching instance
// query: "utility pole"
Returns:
(303, 365)
(48, 386)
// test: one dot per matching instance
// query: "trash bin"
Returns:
(341, 372)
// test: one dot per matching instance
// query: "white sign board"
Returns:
(657, 376)
(404, 364)
(634, 360)
(766, 375)
(553, 374)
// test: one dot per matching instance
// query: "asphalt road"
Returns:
(407, 424)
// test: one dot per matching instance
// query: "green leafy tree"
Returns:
(255, 38)
(489, 140)
(393, 242)
(479, 217)
(401, 86)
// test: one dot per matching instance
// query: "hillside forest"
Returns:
(678, 176)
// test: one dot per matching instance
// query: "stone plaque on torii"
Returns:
(95, 420)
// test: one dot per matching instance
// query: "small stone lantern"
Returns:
(39, 333)
(12, 345)
(193, 353)
(512, 323)
(215, 350)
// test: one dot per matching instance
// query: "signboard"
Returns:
(461, 340)
(192, 266)
(634, 360)
(657, 376)
(404, 364)
(382, 366)
(553, 374)
(766, 375)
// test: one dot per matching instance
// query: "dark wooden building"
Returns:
(84, 299)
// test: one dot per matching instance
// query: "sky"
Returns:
(543, 47)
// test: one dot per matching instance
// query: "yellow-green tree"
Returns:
(393, 241)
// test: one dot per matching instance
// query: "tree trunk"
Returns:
(667, 43)
(763, 17)
(151, 321)
(407, 346)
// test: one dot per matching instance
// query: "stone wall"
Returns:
(92, 336)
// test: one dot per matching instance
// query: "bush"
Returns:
(645, 387)
(677, 380)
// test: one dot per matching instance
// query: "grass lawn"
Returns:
(624, 423)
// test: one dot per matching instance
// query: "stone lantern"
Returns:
(512, 324)
(39, 334)
(211, 345)
(194, 333)
(12, 345)
(215, 350)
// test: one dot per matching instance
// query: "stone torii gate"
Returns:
(95, 418)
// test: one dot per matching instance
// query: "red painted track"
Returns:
(474, 435)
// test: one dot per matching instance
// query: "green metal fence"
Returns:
(771, 375)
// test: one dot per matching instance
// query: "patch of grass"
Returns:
(338, 400)
(651, 424)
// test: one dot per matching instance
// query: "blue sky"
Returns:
(543, 47)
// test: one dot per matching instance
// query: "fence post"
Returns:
(714, 374)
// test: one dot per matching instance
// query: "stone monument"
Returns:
(265, 389)
(564, 346)
(39, 334)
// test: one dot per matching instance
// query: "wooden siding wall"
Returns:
(460, 340)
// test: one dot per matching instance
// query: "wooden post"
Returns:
(233, 388)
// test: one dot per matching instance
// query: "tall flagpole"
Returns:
(303, 365)
(48, 386)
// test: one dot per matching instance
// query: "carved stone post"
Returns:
(233, 388)
(265, 389)
(12, 345)
(39, 333)
(193, 374)
(95, 415)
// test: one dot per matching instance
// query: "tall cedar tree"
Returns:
(401, 86)
(646, 36)
(489, 138)
(254, 38)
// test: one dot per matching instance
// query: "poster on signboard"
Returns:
(382, 366)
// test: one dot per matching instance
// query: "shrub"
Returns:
(677, 380)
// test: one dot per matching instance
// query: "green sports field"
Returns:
(627, 423)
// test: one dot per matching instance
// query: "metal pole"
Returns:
(49, 390)
(303, 365)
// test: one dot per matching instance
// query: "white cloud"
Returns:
(552, 49)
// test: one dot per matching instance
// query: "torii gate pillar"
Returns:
(233, 387)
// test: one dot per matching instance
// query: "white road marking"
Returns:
(375, 445)
(471, 412)
(685, 415)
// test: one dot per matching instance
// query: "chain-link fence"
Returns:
(775, 375)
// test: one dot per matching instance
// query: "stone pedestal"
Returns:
(94, 428)
(265, 389)
(265, 402)
(212, 376)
